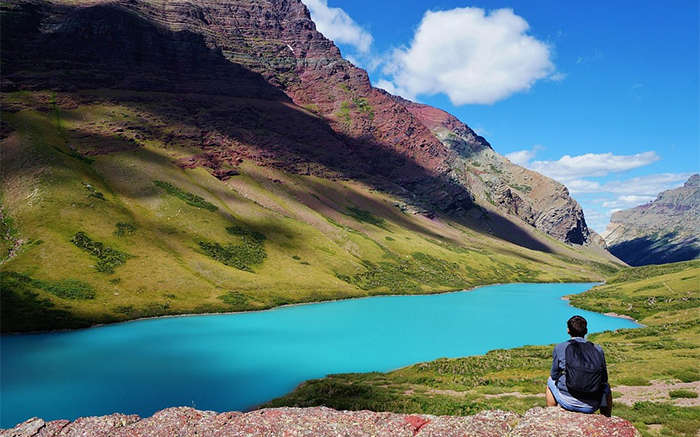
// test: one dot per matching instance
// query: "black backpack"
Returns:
(585, 368)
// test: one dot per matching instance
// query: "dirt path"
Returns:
(657, 392)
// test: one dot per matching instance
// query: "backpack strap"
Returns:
(563, 371)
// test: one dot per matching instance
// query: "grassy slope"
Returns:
(323, 239)
(664, 297)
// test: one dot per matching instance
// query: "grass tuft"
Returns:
(189, 198)
(362, 215)
(683, 394)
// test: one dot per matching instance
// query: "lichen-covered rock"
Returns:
(557, 422)
(322, 422)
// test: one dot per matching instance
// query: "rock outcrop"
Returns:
(536, 199)
(322, 421)
(663, 231)
(270, 50)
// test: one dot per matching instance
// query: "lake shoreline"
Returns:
(609, 314)
(283, 349)
(273, 308)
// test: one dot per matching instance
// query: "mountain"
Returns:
(663, 231)
(162, 157)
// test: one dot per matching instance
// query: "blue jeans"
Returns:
(565, 405)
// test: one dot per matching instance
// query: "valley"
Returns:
(663, 353)
(185, 158)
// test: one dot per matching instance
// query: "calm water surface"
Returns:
(233, 362)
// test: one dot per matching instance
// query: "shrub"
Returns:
(124, 229)
(69, 289)
(234, 298)
(249, 252)
(65, 288)
(363, 105)
(633, 380)
(365, 216)
(523, 188)
(406, 274)
(150, 310)
(92, 192)
(312, 107)
(189, 198)
(680, 393)
(108, 258)
(246, 233)
(344, 112)
(688, 374)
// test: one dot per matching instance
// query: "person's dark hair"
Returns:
(578, 327)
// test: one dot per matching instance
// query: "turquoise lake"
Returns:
(237, 361)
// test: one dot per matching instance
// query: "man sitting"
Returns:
(583, 363)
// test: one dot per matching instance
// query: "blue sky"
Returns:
(602, 96)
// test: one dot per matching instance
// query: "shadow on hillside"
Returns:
(231, 113)
(663, 249)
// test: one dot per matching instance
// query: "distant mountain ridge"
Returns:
(663, 231)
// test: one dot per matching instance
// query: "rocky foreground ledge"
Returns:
(326, 422)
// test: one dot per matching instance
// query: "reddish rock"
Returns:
(555, 421)
(416, 422)
(322, 422)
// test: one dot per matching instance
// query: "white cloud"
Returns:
(571, 168)
(623, 202)
(471, 56)
(583, 186)
(523, 157)
(387, 86)
(557, 77)
(482, 131)
(336, 24)
(621, 194)
(647, 186)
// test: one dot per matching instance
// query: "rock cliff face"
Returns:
(663, 231)
(271, 50)
(321, 421)
(534, 198)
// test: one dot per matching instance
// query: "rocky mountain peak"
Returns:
(271, 49)
(665, 230)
